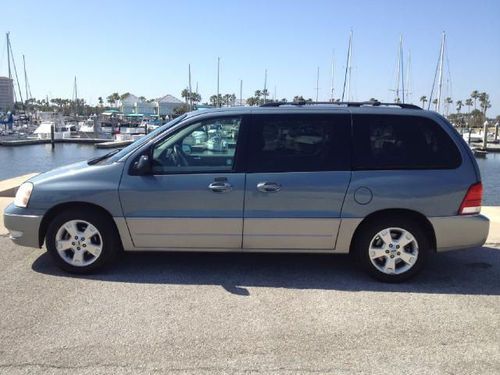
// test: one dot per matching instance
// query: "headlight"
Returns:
(23, 194)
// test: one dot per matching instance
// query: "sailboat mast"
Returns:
(440, 82)
(333, 76)
(218, 81)
(241, 92)
(8, 55)
(265, 86)
(317, 84)
(401, 58)
(347, 75)
(190, 91)
(25, 79)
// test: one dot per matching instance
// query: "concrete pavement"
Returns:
(246, 314)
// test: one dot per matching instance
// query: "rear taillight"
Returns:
(472, 201)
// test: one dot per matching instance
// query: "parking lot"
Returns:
(248, 313)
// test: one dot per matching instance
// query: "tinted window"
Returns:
(401, 142)
(299, 143)
(206, 146)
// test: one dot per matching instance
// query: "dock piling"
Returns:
(52, 136)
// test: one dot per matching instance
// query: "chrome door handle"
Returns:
(268, 187)
(220, 187)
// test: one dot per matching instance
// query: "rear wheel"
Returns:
(392, 250)
(82, 241)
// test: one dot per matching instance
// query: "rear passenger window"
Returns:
(299, 143)
(402, 142)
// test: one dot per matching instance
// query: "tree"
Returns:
(124, 96)
(101, 102)
(448, 101)
(468, 103)
(484, 100)
(459, 104)
(373, 100)
(298, 98)
(180, 110)
(424, 100)
(435, 102)
(474, 95)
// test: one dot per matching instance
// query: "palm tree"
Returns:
(448, 101)
(459, 104)
(424, 100)
(468, 103)
(101, 102)
(484, 100)
(475, 95)
(435, 102)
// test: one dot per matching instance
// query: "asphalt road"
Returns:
(246, 314)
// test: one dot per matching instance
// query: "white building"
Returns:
(134, 104)
(6, 94)
(167, 104)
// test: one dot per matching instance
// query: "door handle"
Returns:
(220, 187)
(268, 187)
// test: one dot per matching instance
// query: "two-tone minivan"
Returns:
(389, 183)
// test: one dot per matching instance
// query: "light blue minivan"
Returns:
(388, 183)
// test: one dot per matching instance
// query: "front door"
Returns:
(194, 196)
(299, 172)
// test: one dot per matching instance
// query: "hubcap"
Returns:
(393, 251)
(78, 243)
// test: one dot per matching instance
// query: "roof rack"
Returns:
(347, 104)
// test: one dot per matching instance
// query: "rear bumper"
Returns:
(23, 228)
(460, 232)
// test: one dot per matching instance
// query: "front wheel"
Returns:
(392, 250)
(81, 241)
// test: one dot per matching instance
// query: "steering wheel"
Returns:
(178, 155)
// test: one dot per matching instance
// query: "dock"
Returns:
(28, 142)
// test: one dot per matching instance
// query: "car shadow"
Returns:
(475, 271)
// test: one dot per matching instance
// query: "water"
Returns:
(17, 161)
(490, 174)
(21, 160)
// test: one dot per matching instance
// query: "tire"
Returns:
(392, 249)
(77, 254)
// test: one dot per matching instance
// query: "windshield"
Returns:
(143, 140)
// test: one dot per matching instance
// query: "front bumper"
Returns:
(460, 232)
(23, 226)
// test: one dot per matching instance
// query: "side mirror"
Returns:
(142, 166)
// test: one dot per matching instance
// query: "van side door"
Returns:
(193, 197)
(298, 173)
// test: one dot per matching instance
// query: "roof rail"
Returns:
(347, 104)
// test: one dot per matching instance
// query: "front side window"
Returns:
(401, 142)
(205, 146)
(299, 143)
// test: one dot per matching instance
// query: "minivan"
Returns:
(388, 183)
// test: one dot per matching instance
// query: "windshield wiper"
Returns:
(103, 157)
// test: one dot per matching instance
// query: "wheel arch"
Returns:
(57, 209)
(396, 212)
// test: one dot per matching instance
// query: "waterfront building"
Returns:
(133, 104)
(6, 94)
(167, 104)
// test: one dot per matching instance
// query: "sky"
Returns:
(145, 47)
